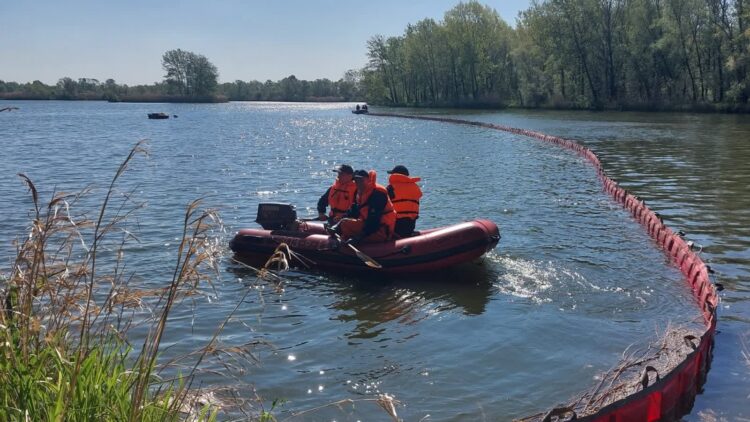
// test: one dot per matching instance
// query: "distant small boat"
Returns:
(158, 115)
(360, 111)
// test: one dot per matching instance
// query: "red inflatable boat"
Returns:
(429, 250)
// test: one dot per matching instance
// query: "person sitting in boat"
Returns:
(372, 217)
(364, 107)
(357, 108)
(340, 196)
(405, 194)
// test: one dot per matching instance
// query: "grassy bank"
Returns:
(67, 307)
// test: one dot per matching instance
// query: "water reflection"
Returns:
(370, 302)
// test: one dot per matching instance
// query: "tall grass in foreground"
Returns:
(64, 350)
(67, 309)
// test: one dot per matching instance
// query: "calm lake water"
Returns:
(573, 282)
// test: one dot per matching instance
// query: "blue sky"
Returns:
(247, 40)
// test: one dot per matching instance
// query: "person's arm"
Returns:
(323, 203)
(391, 192)
(377, 205)
(353, 211)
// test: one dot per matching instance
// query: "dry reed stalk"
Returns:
(232, 358)
(52, 285)
(386, 402)
(194, 252)
(54, 291)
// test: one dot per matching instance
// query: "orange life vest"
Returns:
(388, 218)
(341, 198)
(406, 195)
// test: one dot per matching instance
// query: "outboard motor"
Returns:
(275, 216)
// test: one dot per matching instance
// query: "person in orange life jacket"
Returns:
(405, 194)
(340, 196)
(372, 217)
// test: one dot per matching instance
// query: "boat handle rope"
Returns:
(560, 414)
(690, 341)
(645, 379)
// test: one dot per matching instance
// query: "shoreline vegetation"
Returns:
(51, 94)
(190, 78)
(134, 98)
(268, 91)
(725, 108)
(68, 307)
(660, 55)
(594, 55)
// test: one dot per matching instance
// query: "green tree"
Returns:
(68, 88)
(189, 73)
(40, 90)
(292, 89)
(350, 86)
(202, 76)
(466, 58)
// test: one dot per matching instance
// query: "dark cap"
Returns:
(344, 168)
(361, 174)
(400, 170)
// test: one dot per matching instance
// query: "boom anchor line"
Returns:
(674, 389)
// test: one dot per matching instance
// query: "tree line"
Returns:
(189, 77)
(648, 54)
(595, 54)
(293, 89)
